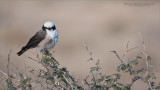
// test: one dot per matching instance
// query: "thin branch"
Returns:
(9, 54)
(117, 56)
(131, 49)
(125, 54)
(31, 58)
(86, 82)
(94, 81)
(134, 80)
(128, 50)
(9, 76)
(90, 53)
(146, 57)
(4, 73)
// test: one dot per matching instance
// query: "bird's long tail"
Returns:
(22, 51)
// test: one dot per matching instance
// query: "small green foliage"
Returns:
(135, 62)
(94, 69)
(55, 74)
(148, 76)
(148, 58)
(10, 84)
(117, 75)
(138, 57)
(61, 79)
(67, 75)
(149, 89)
(122, 67)
(46, 53)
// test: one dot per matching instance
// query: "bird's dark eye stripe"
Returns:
(49, 28)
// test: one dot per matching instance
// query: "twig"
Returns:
(134, 80)
(9, 76)
(3, 73)
(125, 54)
(146, 57)
(94, 81)
(131, 49)
(90, 53)
(86, 82)
(31, 58)
(117, 56)
(8, 61)
(127, 50)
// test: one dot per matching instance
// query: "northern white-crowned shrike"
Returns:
(44, 39)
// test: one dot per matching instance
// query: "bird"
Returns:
(44, 39)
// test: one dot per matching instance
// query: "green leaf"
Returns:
(135, 62)
(108, 77)
(123, 67)
(66, 75)
(94, 69)
(64, 80)
(117, 75)
(148, 58)
(100, 79)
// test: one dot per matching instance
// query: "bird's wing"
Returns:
(36, 39)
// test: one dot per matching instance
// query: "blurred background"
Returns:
(105, 25)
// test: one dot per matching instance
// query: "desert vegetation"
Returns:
(52, 76)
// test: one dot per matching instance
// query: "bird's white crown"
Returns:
(48, 24)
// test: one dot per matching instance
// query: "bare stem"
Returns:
(117, 56)
(146, 58)
(9, 54)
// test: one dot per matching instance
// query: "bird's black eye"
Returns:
(54, 27)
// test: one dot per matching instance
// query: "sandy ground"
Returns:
(105, 25)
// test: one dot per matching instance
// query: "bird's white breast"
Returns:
(50, 34)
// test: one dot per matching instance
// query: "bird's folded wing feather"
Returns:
(36, 39)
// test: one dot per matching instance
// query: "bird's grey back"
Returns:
(36, 39)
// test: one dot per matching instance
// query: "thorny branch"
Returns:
(101, 82)
(146, 58)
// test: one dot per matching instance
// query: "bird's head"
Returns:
(48, 26)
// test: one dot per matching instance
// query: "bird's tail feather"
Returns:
(22, 51)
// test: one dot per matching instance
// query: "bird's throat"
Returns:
(50, 34)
